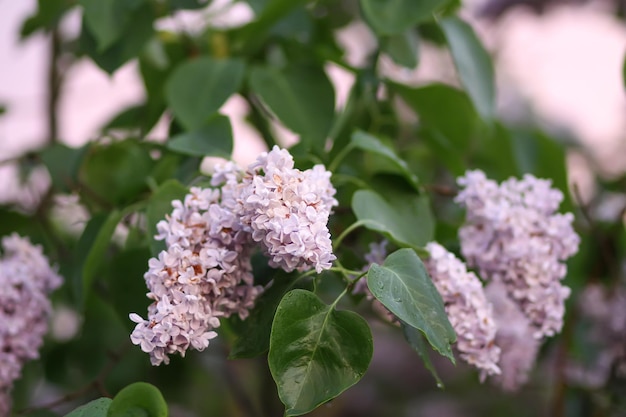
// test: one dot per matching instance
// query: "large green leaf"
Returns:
(404, 287)
(126, 284)
(63, 163)
(95, 408)
(214, 138)
(108, 19)
(138, 400)
(443, 109)
(197, 89)
(48, 15)
(316, 352)
(96, 255)
(369, 143)
(404, 218)
(473, 65)
(117, 173)
(415, 338)
(159, 205)
(403, 48)
(126, 47)
(390, 17)
(301, 97)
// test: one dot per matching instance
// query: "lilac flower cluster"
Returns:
(26, 280)
(468, 310)
(205, 273)
(513, 235)
(284, 209)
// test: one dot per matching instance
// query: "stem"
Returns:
(54, 85)
(346, 232)
(332, 167)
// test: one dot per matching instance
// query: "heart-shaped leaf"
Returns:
(316, 352)
(390, 17)
(138, 400)
(404, 287)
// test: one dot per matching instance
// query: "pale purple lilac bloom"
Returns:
(26, 281)
(468, 310)
(205, 273)
(513, 235)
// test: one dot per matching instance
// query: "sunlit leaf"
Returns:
(316, 352)
(404, 287)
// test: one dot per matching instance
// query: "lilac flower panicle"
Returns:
(285, 209)
(26, 280)
(513, 234)
(204, 274)
(468, 310)
(515, 337)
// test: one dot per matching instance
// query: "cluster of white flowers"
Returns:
(285, 209)
(468, 310)
(206, 273)
(514, 235)
(26, 280)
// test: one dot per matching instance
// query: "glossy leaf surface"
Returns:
(404, 287)
(316, 352)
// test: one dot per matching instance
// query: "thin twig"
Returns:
(95, 385)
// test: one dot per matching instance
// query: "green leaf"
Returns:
(95, 408)
(390, 17)
(138, 400)
(416, 340)
(403, 48)
(117, 173)
(126, 284)
(316, 352)
(404, 287)
(444, 109)
(197, 89)
(369, 143)
(214, 138)
(254, 332)
(108, 19)
(404, 218)
(473, 65)
(95, 257)
(63, 163)
(159, 205)
(301, 97)
(49, 13)
(127, 47)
